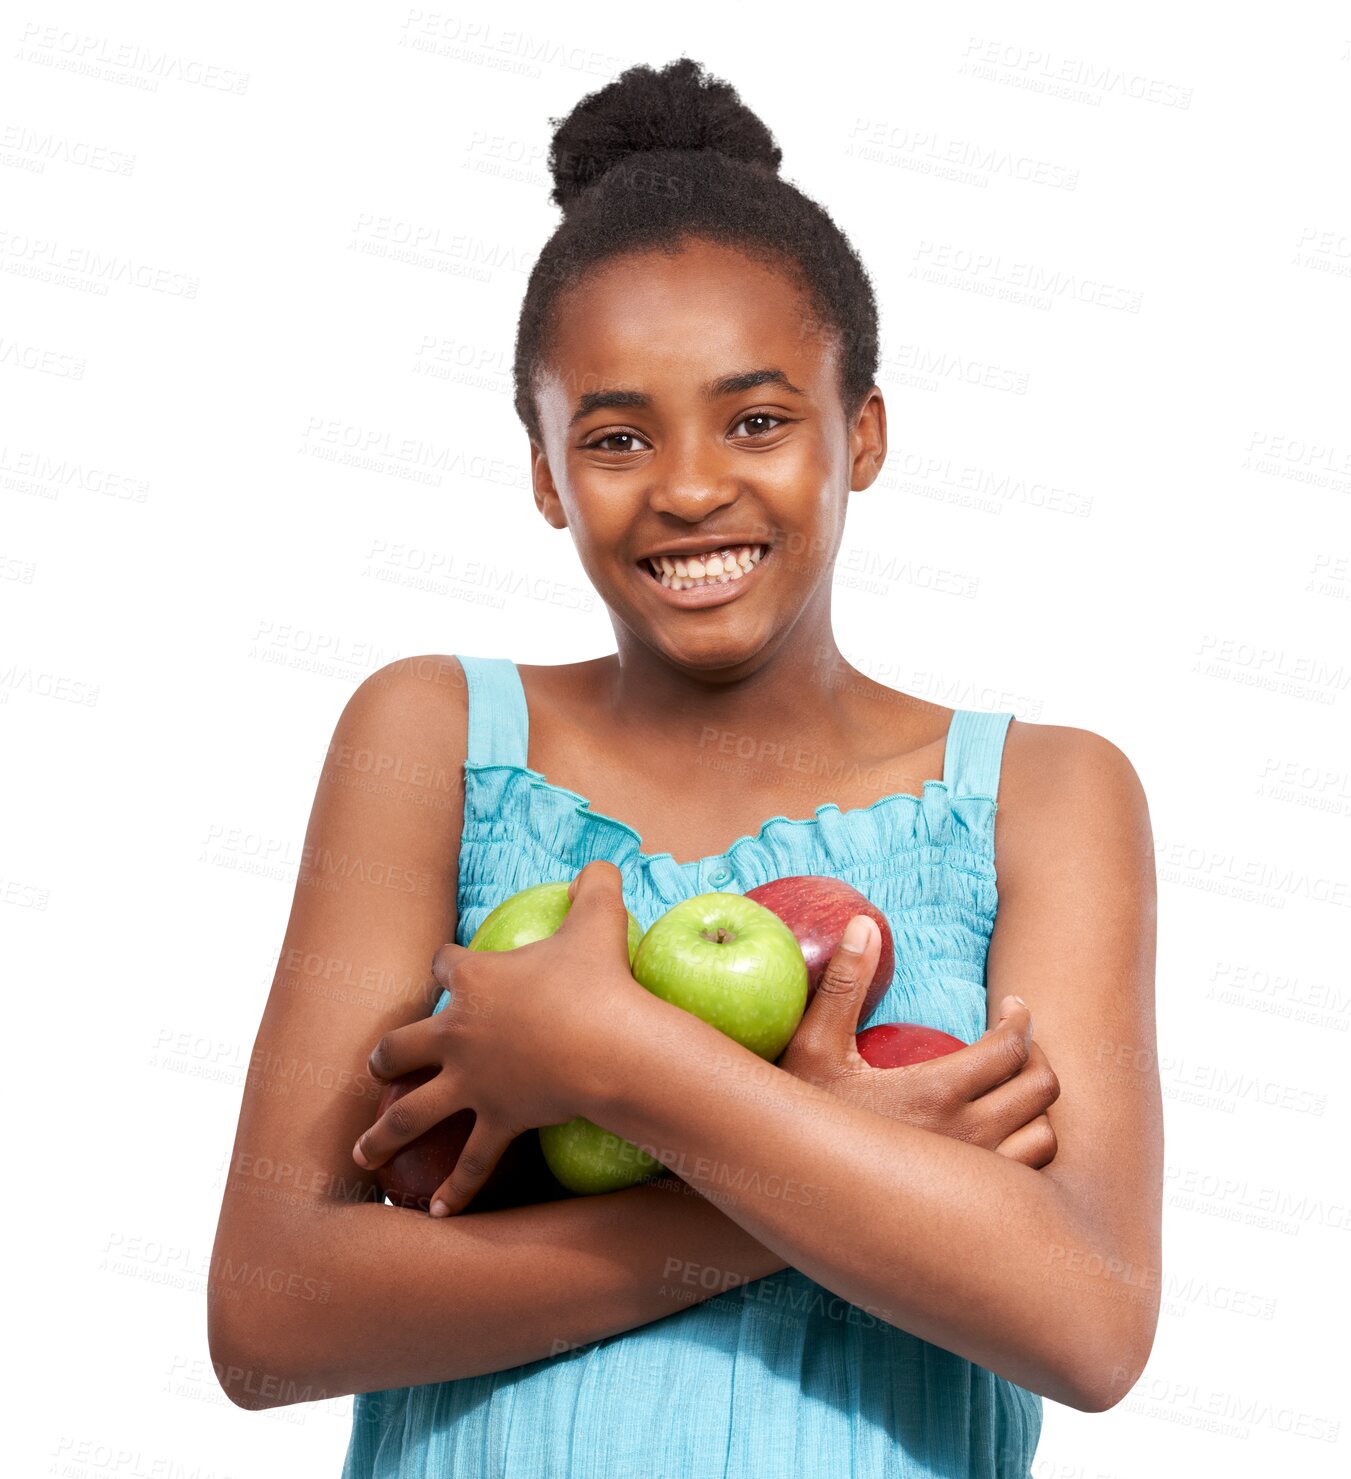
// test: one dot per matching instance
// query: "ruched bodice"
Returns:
(778, 1377)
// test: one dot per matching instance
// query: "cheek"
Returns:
(600, 512)
(598, 527)
(816, 523)
(600, 548)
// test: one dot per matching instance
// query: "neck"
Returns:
(799, 684)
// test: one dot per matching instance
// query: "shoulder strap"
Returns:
(975, 748)
(499, 722)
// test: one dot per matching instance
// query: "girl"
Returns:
(853, 1271)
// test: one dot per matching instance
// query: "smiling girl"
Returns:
(847, 1270)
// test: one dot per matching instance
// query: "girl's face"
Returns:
(646, 453)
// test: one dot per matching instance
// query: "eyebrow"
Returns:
(712, 390)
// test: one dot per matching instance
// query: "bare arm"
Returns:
(1050, 1279)
(318, 1289)
(397, 1298)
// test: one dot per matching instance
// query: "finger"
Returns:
(446, 961)
(598, 910)
(1034, 1145)
(997, 1056)
(402, 1049)
(1019, 1100)
(407, 1118)
(831, 1019)
(599, 874)
(599, 886)
(478, 1160)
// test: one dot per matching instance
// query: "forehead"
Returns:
(654, 320)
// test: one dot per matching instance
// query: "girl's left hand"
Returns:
(524, 1037)
(993, 1093)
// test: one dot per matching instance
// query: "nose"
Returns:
(693, 485)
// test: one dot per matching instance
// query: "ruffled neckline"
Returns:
(567, 820)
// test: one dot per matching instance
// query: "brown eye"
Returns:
(599, 444)
(761, 416)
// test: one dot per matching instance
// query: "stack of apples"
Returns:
(748, 964)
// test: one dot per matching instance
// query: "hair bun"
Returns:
(644, 110)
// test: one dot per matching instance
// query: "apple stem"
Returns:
(720, 936)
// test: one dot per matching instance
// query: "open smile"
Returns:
(710, 579)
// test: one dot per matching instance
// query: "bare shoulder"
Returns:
(1064, 791)
(402, 737)
(429, 686)
(1042, 756)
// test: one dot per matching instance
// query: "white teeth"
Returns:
(716, 568)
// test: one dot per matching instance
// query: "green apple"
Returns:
(590, 1160)
(725, 959)
(581, 1155)
(534, 914)
(732, 962)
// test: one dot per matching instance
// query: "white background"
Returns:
(1144, 532)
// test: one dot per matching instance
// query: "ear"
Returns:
(542, 485)
(868, 442)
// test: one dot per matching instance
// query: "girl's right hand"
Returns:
(993, 1093)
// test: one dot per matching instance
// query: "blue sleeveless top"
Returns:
(778, 1377)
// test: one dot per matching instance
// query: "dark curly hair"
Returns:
(656, 157)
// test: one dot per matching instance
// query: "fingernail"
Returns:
(1020, 1001)
(440, 1209)
(856, 934)
(359, 1158)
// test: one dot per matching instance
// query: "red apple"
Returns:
(412, 1174)
(816, 909)
(896, 1044)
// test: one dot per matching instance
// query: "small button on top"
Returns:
(720, 875)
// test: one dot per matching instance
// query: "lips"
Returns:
(698, 570)
(707, 547)
(696, 595)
